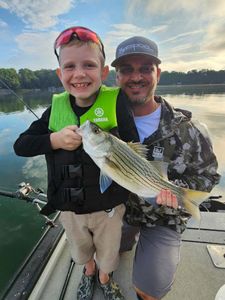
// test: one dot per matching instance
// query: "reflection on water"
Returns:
(20, 224)
(208, 109)
(10, 103)
(199, 89)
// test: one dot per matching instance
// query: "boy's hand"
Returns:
(66, 138)
(167, 198)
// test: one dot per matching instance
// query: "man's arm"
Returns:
(201, 162)
(201, 170)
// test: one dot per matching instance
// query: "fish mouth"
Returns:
(80, 129)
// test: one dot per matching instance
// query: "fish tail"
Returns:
(192, 199)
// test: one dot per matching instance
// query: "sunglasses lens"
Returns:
(63, 38)
(85, 36)
(82, 34)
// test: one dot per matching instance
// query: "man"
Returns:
(171, 136)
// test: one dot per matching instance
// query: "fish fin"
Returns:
(139, 148)
(161, 167)
(192, 199)
(104, 181)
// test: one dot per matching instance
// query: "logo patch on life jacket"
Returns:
(99, 112)
(158, 152)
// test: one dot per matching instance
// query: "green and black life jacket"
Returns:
(102, 112)
(73, 176)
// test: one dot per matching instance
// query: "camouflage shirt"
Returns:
(187, 148)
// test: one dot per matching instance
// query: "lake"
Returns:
(21, 225)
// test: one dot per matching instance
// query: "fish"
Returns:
(126, 164)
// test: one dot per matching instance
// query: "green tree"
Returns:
(28, 79)
(47, 78)
(111, 79)
(10, 77)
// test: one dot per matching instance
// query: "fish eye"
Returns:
(97, 130)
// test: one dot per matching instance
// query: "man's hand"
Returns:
(66, 138)
(167, 198)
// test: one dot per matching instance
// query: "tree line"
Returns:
(45, 79)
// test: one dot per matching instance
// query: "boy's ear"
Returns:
(59, 73)
(105, 72)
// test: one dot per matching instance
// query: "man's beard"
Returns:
(138, 101)
(141, 101)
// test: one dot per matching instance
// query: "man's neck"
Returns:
(145, 109)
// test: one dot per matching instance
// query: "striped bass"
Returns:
(125, 163)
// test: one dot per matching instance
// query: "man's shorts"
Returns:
(156, 259)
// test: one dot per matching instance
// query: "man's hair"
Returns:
(78, 43)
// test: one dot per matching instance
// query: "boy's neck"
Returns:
(86, 102)
(78, 110)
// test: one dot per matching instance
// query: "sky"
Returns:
(190, 34)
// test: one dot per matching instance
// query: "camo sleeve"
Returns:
(196, 163)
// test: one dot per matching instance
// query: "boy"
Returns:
(92, 220)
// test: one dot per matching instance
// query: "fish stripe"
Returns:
(136, 166)
(131, 164)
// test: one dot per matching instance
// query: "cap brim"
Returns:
(117, 61)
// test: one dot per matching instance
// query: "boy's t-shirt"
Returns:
(78, 110)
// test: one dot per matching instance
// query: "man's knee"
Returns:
(143, 296)
(128, 237)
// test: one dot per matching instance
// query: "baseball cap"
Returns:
(136, 45)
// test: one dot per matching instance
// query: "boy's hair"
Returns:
(78, 43)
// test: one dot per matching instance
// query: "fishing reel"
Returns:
(25, 189)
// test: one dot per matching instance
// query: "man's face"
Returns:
(138, 76)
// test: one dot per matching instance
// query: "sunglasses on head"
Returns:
(81, 33)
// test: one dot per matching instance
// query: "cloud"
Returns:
(35, 51)
(35, 167)
(214, 39)
(3, 4)
(166, 7)
(3, 24)
(123, 31)
(181, 35)
(38, 14)
(189, 35)
(5, 135)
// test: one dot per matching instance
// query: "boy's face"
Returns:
(81, 72)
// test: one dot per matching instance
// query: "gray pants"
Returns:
(156, 258)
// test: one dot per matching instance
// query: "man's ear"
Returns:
(158, 74)
(59, 73)
(105, 72)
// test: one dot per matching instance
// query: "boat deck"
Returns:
(197, 276)
(50, 274)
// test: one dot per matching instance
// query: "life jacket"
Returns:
(102, 112)
(72, 175)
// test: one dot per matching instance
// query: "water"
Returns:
(21, 225)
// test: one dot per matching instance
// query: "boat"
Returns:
(49, 273)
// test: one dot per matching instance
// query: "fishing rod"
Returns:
(19, 98)
(23, 193)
